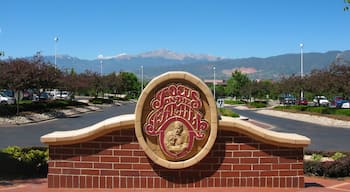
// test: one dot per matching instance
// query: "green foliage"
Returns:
(11, 110)
(320, 110)
(101, 101)
(17, 162)
(228, 112)
(316, 157)
(257, 104)
(233, 102)
(313, 168)
(235, 84)
(338, 155)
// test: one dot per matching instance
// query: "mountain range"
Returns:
(162, 60)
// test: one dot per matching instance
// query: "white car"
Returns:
(4, 99)
(321, 100)
(345, 105)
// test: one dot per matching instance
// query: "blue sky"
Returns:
(226, 28)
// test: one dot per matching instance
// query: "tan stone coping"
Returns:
(128, 121)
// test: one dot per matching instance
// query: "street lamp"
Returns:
(55, 39)
(214, 84)
(301, 67)
(100, 57)
(141, 78)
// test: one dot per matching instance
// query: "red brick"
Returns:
(74, 158)
(82, 182)
(297, 166)
(248, 146)
(55, 170)
(122, 182)
(143, 182)
(232, 147)
(149, 173)
(82, 165)
(138, 153)
(129, 160)
(230, 174)
(89, 181)
(129, 173)
(287, 160)
(110, 159)
(269, 182)
(90, 172)
(268, 160)
(109, 172)
(123, 166)
(50, 180)
(282, 182)
(141, 166)
(226, 167)
(261, 154)
(122, 153)
(75, 181)
(243, 182)
(131, 146)
(249, 182)
(116, 182)
(288, 173)
(280, 166)
(241, 167)
(249, 174)
(84, 151)
(62, 181)
(264, 167)
(269, 173)
(249, 160)
(109, 182)
(103, 181)
(63, 164)
(231, 160)
(90, 158)
(256, 182)
(242, 154)
(95, 182)
(103, 165)
(276, 182)
(105, 152)
(150, 182)
(71, 171)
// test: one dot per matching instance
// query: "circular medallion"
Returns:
(176, 120)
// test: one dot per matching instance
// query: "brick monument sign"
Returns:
(175, 139)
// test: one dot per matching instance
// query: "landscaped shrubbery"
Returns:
(11, 110)
(233, 102)
(17, 162)
(228, 112)
(257, 104)
(337, 168)
(311, 109)
(101, 101)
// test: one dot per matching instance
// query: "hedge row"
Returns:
(19, 163)
(335, 169)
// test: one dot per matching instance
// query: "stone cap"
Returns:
(128, 121)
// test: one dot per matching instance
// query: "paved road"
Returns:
(323, 138)
(29, 135)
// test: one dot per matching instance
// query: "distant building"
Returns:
(217, 82)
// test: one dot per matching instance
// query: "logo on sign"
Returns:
(176, 119)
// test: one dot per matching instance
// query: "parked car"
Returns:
(321, 100)
(338, 101)
(346, 105)
(5, 99)
(302, 101)
(287, 99)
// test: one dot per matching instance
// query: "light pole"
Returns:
(141, 78)
(214, 84)
(100, 57)
(301, 67)
(55, 39)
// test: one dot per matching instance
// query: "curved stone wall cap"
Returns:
(89, 133)
(265, 135)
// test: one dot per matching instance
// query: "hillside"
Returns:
(160, 61)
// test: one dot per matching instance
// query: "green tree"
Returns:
(128, 83)
(236, 84)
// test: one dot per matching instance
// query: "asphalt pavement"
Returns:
(323, 138)
(29, 134)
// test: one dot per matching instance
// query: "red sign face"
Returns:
(176, 120)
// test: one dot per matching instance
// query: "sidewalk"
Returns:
(312, 184)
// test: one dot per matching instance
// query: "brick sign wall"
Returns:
(116, 160)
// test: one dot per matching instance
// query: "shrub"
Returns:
(313, 168)
(101, 101)
(338, 168)
(228, 112)
(233, 102)
(16, 162)
(316, 157)
(257, 104)
(338, 155)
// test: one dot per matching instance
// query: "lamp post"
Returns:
(214, 84)
(100, 57)
(56, 40)
(301, 67)
(141, 78)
